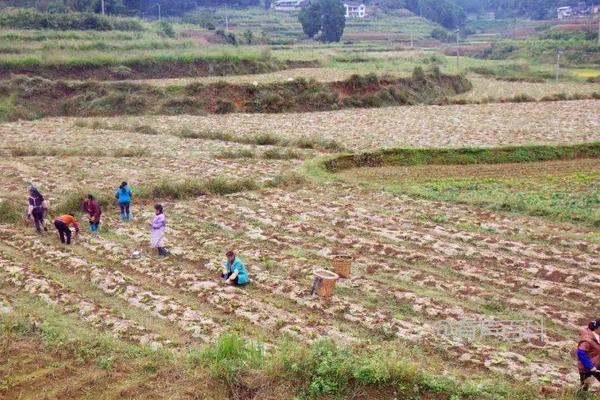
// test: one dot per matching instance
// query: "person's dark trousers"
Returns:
(584, 375)
(63, 230)
(227, 275)
(162, 251)
(124, 211)
(38, 219)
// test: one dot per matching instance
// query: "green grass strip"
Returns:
(462, 156)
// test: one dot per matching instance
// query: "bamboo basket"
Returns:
(342, 265)
(326, 283)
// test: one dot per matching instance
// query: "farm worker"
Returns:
(37, 208)
(62, 226)
(588, 353)
(157, 230)
(123, 196)
(234, 270)
(91, 206)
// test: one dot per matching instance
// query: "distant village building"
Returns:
(288, 5)
(580, 9)
(355, 10)
(564, 12)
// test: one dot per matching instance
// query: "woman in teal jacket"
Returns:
(234, 271)
(123, 196)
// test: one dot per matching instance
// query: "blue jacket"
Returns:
(242, 272)
(123, 195)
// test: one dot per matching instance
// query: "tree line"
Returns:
(127, 7)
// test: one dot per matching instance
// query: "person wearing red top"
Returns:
(91, 206)
(62, 226)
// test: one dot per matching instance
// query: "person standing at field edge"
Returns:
(62, 226)
(123, 195)
(588, 353)
(92, 207)
(37, 208)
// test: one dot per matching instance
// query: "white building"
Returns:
(355, 10)
(564, 12)
(288, 5)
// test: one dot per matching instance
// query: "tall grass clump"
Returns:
(71, 202)
(228, 357)
(10, 213)
(224, 185)
(234, 154)
(189, 188)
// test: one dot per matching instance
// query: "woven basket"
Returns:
(327, 281)
(342, 265)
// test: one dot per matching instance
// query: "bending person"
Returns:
(234, 270)
(92, 207)
(62, 224)
(588, 353)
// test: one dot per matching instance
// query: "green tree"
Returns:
(248, 36)
(334, 20)
(326, 17)
(310, 18)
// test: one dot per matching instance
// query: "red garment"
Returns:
(590, 345)
(93, 209)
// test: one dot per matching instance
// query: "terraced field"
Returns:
(411, 267)
(106, 318)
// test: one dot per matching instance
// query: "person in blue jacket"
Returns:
(234, 271)
(123, 196)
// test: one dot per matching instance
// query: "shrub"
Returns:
(224, 107)
(418, 74)
(265, 139)
(145, 129)
(224, 185)
(241, 153)
(276, 154)
(166, 29)
(25, 18)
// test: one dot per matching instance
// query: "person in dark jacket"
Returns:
(123, 195)
(588, 353)
(37, 209)
(91, 206)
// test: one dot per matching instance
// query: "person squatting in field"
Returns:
(234, 270)
(62, 224)
(37, 209)
(123, 195)
(158, 225)
(92, 207)
(588, 353)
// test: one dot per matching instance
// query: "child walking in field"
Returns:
(123, 195)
